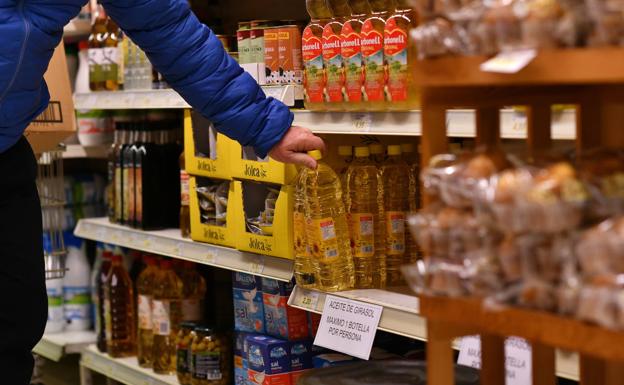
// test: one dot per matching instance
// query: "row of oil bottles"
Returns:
(357, 55)
(350, 229)
(141, 317)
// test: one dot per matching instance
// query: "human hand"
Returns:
(294, 146)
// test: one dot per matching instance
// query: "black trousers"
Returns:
(23, 299)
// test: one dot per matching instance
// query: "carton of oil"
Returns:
(290, 60)
(301, 358)
(330, 360)
(281, 320)
(271, 56)
(269, 361)
(257, 47)
(248, 307)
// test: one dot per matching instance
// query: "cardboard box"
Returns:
(241, 365)
(202, 232)
(281, 320)
(251, 199)
(206, 152)
(301, 354)
(247, 166)
(248, 306)
(58, 121)
(269, 361)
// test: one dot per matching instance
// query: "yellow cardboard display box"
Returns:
(254, 201)
(217, 235)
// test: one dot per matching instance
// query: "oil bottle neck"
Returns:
(359, 7)
(378, 6)
(340, 8)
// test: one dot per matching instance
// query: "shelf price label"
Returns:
(309, 299)
(348, 326)
(362, 122)
(256, 266)
(517, 358)
(509, 62)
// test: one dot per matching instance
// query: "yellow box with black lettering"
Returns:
(248, 166)
(207, 153)
(214, 211)
(265, 223)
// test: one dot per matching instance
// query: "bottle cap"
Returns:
(345, 150)
(394, 150)
(83, 45)
(362, 152)
(316, 154)
(407, 148)
(376, 149)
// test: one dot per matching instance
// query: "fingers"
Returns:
(301, 159)
(313, 142)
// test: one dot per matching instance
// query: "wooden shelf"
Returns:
(587, 66)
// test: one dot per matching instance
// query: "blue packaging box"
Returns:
(269, 361)
(248, 306)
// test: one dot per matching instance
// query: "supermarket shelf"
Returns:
(76, 151)
(164, 99)
(124, 370)
(170, 243)
(460, 123)
(401, 316)
(56, 346)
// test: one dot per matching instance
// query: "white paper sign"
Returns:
(509, 62)
(517, 358)
(348, 326)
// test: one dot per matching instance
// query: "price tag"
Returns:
(148, 242)
(509, 62)
(256, 266)
(309, 299)
(362, 122)
(178, 249)
(348, 326)
(274, 92)
(210, 257)
(517, 358)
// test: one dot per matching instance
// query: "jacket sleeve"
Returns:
(194, 63)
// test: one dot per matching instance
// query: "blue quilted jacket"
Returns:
(186, 52)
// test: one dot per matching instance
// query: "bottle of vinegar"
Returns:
(400, 57)
(373, 52)
(353, 62)
(312, 51)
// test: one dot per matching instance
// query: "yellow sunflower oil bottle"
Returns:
(411, 158)
(332, 55)
(345, 153)
(372, 40)
(395, 176)
(312, 52)
(365, 207)
(377, 153)
(304, 269)
(327, 229)
(353, 62)
(400, 57)
(145, 290)
(166, 316)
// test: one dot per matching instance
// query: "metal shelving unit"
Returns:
(56, 346)
(170, 243)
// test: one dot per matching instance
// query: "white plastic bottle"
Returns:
(77, 286)
(56, 321)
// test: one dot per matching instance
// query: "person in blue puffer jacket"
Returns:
(193, 62)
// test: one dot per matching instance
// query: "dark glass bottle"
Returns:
(100, 323)
(127, 162)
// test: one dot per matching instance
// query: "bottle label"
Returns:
(313, 77)
(161, 317)
(396, 51)
(108, 320)
(55, 308)
(351, 49)
(373, 54)
(301, 243)
(130, 194)
(325, 242)
(96, 58)
(138, 195)
(184, 188)
(363, 225)
(77, 303)
(332, 58)
(395, 221)
(207, 366)
(118, 193)
(110, 63)
(191, 310)
(145, 312)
